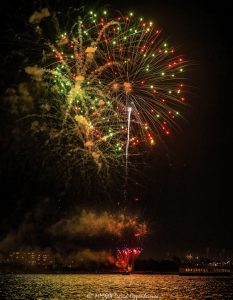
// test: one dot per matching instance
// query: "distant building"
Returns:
(204, 270)
(34, 258)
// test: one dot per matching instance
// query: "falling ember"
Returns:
(126, 258)
(128, 87)
(90, 51)
(101, 102)
(115, 86)
(79, 78)
(137, 235)
(128, 134)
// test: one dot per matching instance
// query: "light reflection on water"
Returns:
(90, 286)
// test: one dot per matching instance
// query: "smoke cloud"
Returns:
(37, 16)
(92, 224)
(78, 239)
(88, 255)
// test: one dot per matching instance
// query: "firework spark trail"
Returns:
(129, 109)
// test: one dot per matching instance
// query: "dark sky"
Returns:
(185, 193)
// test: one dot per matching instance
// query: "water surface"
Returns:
(88, 286)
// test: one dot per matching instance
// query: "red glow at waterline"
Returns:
(126, 258)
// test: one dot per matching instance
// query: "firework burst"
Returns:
(126, 258)
(104, 86)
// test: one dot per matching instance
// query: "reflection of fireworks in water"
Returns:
(98, 80)
(126, 258)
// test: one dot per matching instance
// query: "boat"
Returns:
(204, 271)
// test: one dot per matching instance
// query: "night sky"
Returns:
(184, 192)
